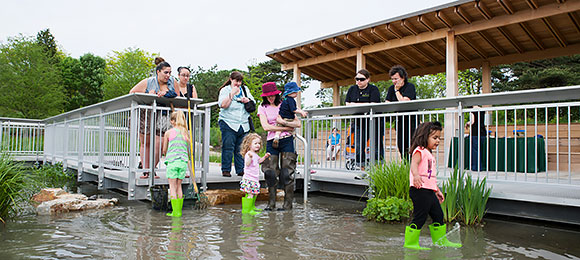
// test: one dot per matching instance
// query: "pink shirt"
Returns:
(271, 113)
(252, 171)
(427, 169)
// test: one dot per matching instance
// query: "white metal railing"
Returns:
(22, 138)
(124, 135)
(537, 147)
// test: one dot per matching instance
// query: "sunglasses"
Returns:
(360, 79)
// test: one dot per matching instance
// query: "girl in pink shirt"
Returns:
(424, 192)
(250, 183)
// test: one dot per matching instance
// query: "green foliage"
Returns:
(389, 180)
(388, 209)
(82, 80)
(430, 86)
(12, 181)
(29, 80)
(215, 137)
(465, 198)
(45, 39)
(207, 83)
(51, 176)
(125, 69)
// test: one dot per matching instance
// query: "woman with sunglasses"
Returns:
(363, 92)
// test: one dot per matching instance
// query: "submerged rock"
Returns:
(53, 201)
(224, 196)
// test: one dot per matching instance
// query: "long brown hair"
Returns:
(421, 136)
(234, 75)
(247, 142)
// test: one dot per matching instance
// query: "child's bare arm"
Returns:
(248, 159)
(301, 112)
(264, 158)
(415, 160)
(280, 120)
(165, 143)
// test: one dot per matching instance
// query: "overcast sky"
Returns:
(231, 34)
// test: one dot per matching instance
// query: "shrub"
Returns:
(465, 198)
(387, 210)
(389, 180)
(12, 181)
(215, 137)
(51, 176)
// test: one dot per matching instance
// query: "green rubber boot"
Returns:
(439, 237)
(248, 206)
(176, 207)
(412, 238)
(254, 203)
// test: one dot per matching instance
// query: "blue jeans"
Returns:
(286, 145)
(231, 141)
(475, 143)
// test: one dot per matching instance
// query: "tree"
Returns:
(125, 69)
(29, 80)
(82, 80)
(207, 83)
(45, 39)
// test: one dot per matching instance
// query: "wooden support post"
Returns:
(336, 95)
(296, 79)
(360, 60)
(486, 77)
(451, 75)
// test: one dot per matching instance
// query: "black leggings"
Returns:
(425, 202)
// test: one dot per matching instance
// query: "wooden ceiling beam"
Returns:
(506, 6)
(397, 60)
(409, 27)
(380, 60)
(329, 71)
(411, 57)
(376, 33)
(498, 21)
(555, 32)
(338, 42)
(575, 20)
(365, 38)
(308, 51)
(316, 74)
(425, 54)
(347, 64)
(463, 15)
(298, 54)
(436, 50)
(511, 39)
(532, 35)
(483, 10)
(425, 23)
(394, 31)
(289, 56)
(352, 40)
(443, 19)
(508, 59)
(491, 43)
(318, 49)
(479, 52)
(279, 57)
(532, 4)
(328, 46)
(346, 72)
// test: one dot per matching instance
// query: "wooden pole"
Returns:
(486, 77)
(360, 60)
(451, 89)
(296, 79)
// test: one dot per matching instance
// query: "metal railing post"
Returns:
(65, 146)
(101, 150)
(371, 137)
(307, 158)
(133, 125)
(152, 135)
(206, 138)
(81, 148)
(460, 138)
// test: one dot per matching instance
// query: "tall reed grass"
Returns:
(465, 198)
(13, 180)
(389, 180)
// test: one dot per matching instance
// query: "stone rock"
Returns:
(224, 196)
(66, 202)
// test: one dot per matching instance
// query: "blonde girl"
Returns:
(250, 183)
(175, 146)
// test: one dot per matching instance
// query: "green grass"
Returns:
(389, 180)
(13, 181)
(465, 198)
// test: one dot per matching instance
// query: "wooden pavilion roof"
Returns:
(493, 31)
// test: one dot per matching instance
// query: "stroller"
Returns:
(350, 151)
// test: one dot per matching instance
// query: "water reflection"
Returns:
(328, 228)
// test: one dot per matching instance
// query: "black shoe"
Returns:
(226, 174)
(240, 174)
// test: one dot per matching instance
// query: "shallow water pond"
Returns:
(326, 228)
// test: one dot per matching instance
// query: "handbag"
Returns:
(251, 105)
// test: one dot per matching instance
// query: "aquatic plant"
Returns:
(389, 180)
(51, 176)
(13, 180)
(465, 198)
(387, 210)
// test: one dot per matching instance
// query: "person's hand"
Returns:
(245, 100)
(267, 155)
(417, 182)
(303, 113)
(399, 84)
(235, 90)
(250, 155)
(440, 197)
(151, 91)
(161, 93)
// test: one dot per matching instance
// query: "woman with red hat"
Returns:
(280, 167)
